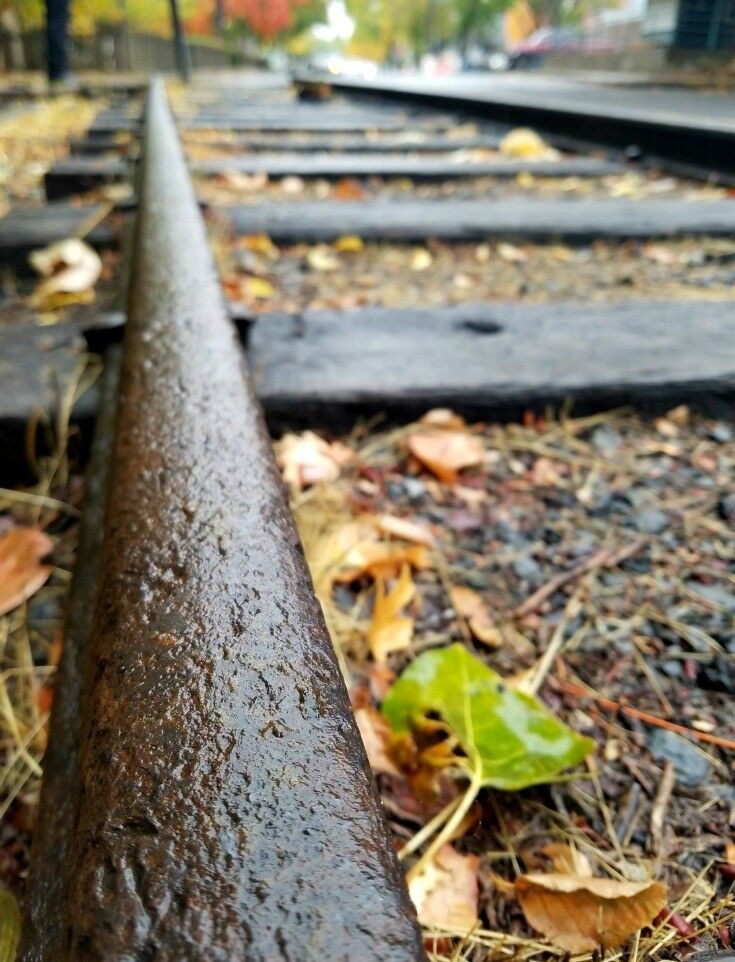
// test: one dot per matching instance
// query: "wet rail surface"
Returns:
(225, 809)
(206, 792)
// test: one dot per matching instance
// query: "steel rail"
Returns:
(226, 808)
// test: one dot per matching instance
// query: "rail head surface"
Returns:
(227, 810)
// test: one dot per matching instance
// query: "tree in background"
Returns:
(265, 20)
(416, 26)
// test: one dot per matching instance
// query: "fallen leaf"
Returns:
(21, 571)
(354, 550)
(390, 630)
(406, 530)
(348, 189)
(258, 288)
(660, 254)
(9, 926)
(471, 607)
(260, 244)
(509, 739)
(376, 733)
(445, 892)
(69, 267)
(245, 182)
(568, 860)
(292, 185)
(306, 459)
(445, 453)
(349, 244)
(585, 914)
(511, 253)
(525, 144)
(320, 258)
(444, 418)
(421, 259)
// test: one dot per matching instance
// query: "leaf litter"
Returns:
(548, 599)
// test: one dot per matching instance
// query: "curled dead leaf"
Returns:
(70, 269)
(390, 630)
(445, 453)
(320, 258)
(583, 914)
(376, 733)
(261, 244)
(567, 860)
(349, 244)
(525, 144)
(444, 418)
(445, 893)
(470, 606)
(21, 571)
(421, 259)
(306, 459)
(354, 550)
(406, 530)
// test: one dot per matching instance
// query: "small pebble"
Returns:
(526, 568)
(692, 768)
(721, 432)
(650, 521)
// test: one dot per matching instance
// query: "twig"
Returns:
(658, 810)
(604, 558)
(644, 716)
(546, 661)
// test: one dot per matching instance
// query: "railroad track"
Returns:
(206, 793)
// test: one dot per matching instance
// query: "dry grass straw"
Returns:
(22, 723)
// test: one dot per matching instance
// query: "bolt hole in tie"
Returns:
(481, 326)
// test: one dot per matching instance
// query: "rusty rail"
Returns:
(225, 808)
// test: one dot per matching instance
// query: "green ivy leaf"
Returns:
(511, 741)
(9, 925)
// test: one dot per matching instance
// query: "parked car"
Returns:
(532, 51)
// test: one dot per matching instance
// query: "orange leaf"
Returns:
(405, 530)
(445, 892)
(445, 453)
(583, 914)
(21, 573)
(376, 733)
(470, 605)
(306, 459)
(389, 630)
(444, 418)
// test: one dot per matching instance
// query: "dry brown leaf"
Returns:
(406, 530)
(584, 914)
(390, 630)
(21, 571)
(354, 550)
(68, 267)
(348, 189)
(376, 732)
(525, 144)
(568, 860)
(349, 244)
(421, 259)
(292, 185)
(321, 258)
(260, 244)
(471, 607)
(306, 459)
(512, 254)
(445, 453)
(445, 893)
(245, 182)
(444, 418)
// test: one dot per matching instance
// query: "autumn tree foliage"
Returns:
(265, 19)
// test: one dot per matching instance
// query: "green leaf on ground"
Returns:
(511, 741)
(9, 926)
